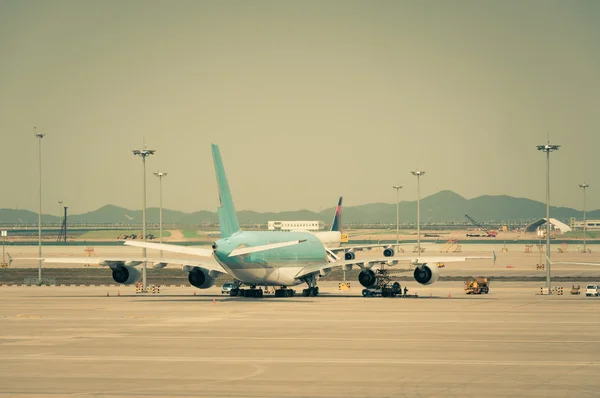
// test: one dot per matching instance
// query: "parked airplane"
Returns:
(332, 239)
(277, 258)
(260, 258)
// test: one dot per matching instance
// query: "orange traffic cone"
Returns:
(430, 296)
(449, 295)
(119, 293)
(194, 292)
(214, 302)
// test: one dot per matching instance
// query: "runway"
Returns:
(75, 340)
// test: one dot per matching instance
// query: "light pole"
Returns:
(144, 153)
(60, 211)
(160, 176)
(548, 148)
(418, 174)
(584, 186)
(4, 233)
(39, 136)
(397, 188)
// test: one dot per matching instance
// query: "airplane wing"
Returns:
(368, 263)
(195, 251)
(345, 248)
(131, 261)
(572, 263)
(204, 252)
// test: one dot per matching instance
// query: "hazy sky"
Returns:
(308, 100)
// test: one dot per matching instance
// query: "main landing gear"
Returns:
(284, 292)
(252, 292)
(310, 292)
(313, 289)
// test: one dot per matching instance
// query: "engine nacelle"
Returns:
(200, 278)
(389, 251)
(367, 278)
(426, 275)
(126, 274)
(349, 255)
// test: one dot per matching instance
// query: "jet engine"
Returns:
(349, 255)
(367, 278)
(126, 274)
(389, 251)
(200, 278)
(425, 274)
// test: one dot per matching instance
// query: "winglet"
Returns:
(336, 225)
(494, 253)
(10, 259)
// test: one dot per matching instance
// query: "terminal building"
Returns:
(592, 225)
(296, 225)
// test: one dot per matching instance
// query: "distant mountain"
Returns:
(444, 206)
(11, 216)
(119, 215)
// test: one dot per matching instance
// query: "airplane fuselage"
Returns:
(330, 239)
(276, 267)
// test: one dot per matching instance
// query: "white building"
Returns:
(296, 225)
(592, 225)
(554, 225)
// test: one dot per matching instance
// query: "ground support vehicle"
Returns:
(592, 291)
(477, 285)
(226, 288)
(575, 289)
(388, 290)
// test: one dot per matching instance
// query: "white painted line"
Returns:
(340, 339)
(255, 360)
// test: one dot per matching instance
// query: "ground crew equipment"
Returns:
(477, 285)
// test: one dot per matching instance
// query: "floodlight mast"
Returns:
(39, 136)
(584, 186)
(397, 188)
(548, 148)
(418, 173)
(144, 153)
(160, 176)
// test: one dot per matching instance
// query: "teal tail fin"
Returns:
(228, 220)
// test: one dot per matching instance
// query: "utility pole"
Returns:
(584, 186)
(160, 176)
(4, 233)
(143, 153)
(60, 210)
(418, 174)
(62, 235)
(548, 148)
(397, 188)
(39, 136)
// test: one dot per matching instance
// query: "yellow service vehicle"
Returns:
(477, 285)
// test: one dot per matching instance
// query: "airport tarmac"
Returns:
(75, 340)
